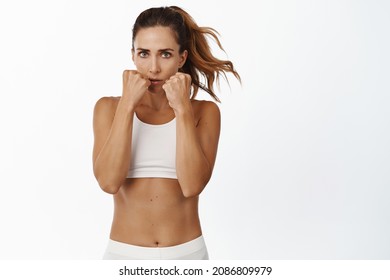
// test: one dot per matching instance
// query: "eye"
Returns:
(166, 54)
(143, 54)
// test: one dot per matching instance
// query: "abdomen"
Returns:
(153, 212)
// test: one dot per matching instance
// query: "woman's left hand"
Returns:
(177, 89)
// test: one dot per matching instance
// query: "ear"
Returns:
(132, 55)
(183, 58)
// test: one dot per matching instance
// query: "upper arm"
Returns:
(208, 130)
(103, 116)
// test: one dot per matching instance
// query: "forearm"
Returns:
(112, 162)
(192, 167)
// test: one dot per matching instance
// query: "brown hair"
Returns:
(190, 37)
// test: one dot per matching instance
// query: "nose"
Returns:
(154, 66)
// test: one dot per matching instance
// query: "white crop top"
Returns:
(153, 150)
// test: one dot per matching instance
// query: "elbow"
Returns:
(108, 184)
(192, 187)
(109, 187)
(193, 190)
(189, 193)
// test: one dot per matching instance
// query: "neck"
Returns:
(156, 101)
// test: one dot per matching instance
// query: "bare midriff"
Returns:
(152, 212)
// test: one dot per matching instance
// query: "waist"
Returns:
(153, 229)
(154, 215)
(193, 249)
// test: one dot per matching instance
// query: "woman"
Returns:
(155, 146)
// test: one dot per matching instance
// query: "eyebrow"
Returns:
(161, 50)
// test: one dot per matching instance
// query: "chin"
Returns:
(155, 90)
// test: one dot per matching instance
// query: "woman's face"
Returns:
(156, 55)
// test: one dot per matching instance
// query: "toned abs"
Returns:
(153, 212)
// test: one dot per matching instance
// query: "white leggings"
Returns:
(192, 250)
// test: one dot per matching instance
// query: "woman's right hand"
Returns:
(134, 88)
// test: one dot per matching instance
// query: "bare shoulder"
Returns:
(204, 109)
(106, 105)
(104, 113)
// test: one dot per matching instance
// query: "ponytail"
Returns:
(200, 58)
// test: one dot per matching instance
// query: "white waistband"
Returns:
(171, 252)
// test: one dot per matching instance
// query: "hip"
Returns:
(194, 249)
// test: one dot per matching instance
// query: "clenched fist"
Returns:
(134, 87)
(177, 89)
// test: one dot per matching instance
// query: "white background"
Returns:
(303, 164)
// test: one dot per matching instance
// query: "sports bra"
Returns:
(153, 150)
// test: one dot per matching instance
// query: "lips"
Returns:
(155, 82)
